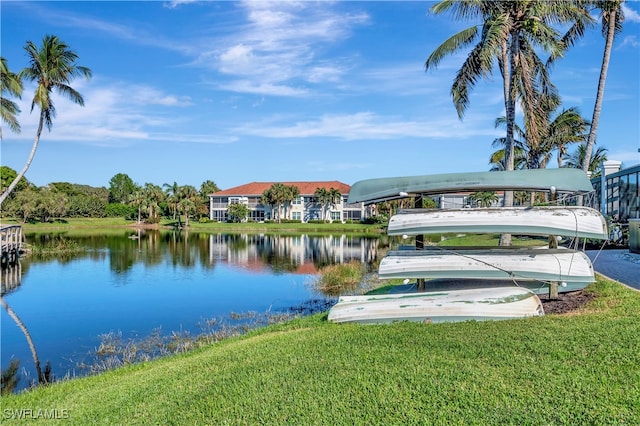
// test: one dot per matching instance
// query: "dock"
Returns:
(11, 245)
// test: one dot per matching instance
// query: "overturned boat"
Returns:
(500, 303)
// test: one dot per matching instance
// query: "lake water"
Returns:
(157, 280)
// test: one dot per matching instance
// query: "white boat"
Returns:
(447, 284)
(449, 306)
(531, 264)
(571, 221)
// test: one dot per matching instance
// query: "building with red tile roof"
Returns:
(304, 208)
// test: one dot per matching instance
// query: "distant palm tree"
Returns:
(612, 19)
(484, 199)
(12, 84)
(576, 159)
(153, 195)
(52, 66)
(189, 197)
(139, 201)
(292, 192)
(172, 196)
(566, 128)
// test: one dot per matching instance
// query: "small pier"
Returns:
(11, 245)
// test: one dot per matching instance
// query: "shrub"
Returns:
(119, 210)
(337, 279)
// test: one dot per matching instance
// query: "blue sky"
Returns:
(237, 92)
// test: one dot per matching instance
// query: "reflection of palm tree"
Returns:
(41, 377)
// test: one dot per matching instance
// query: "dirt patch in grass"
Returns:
(566, 302)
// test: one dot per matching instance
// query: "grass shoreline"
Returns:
(559, 369)
(107, 223)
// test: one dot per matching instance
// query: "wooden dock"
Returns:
(11, 245)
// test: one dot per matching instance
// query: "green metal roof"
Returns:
(565, 180)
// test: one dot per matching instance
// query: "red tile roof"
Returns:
(305, 188)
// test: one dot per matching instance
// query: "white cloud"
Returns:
(114, 114)
(281, 44)
(630, 15)
(175, 3)
(372, 126)
(257, 88)
(630, 40)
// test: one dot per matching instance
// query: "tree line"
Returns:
(147, 203)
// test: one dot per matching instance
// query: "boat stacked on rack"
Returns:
(476, 283)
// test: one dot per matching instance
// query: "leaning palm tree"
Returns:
(52, 66)
(12, 84)
(612, 19)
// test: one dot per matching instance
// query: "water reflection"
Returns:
(298, 253)
(156, 280)
(278, 253)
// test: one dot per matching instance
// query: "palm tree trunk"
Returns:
(6, 193)
(27, 335)
(510, 106)
(600, 94)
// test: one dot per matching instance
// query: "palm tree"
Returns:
(566, 128)
(139, 201)
(189, 197)
(291, 193)
(334, 197)
(268, 198)
(172, 197)
(576, 159)
(12, 84)
(511, 34)
(52, 66)
(277, 195)
(612, 18)
(153, 195)
(322, 195)
(207, 188)
(484, 199)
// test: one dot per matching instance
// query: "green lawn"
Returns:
(558, 369)
(104, 224)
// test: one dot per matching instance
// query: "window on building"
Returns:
(335, 216)
(296, 215)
